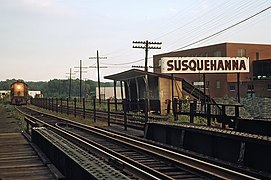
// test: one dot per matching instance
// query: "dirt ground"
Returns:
(8, 124)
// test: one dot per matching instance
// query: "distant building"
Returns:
(255, 83)
(108, 92)
(4, 93)
(33, 94)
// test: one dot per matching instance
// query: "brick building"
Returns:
(255, 83)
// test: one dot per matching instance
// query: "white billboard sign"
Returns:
(204, 64)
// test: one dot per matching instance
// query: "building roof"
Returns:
(135, 73)
(209, 46)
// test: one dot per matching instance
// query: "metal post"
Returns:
(115, 95)
(74, 107)
(61, 104)
(52, 104)
(146, 111)
(84, 108)
(174, 109)
(108, 112)
(56, 104)
(46, 103)
(238, 87)
(208, 114)
(223, 115)
(94, 109)
(125, 114)
(172, 90)
(49, 104)
(204, 91)
(237, 111)
(67, 106)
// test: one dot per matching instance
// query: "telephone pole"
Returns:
(147, 45)
(70, 81)
(98, 72)
(80, 80)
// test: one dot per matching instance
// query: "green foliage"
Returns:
(59, 87)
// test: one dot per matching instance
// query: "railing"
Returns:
(209, 111)
(91, 108)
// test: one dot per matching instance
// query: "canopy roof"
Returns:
(135, 73)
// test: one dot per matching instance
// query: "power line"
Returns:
(223, 30)
(131, 62)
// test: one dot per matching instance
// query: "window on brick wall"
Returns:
(207, 84)
(217, 54)
(241, 53)
(250, 87)
(232, 88)
(217, 84)
(269, 87)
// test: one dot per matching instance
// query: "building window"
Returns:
(269, 87)
(257, 55)
(232, 87)
(207, 84)
(241, 53)
(250, 87)
(217, 54)
(217, 84)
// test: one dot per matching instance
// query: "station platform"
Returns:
(18, 160)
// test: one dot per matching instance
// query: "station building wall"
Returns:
(221, 85)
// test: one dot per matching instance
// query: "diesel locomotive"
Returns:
(19, 93)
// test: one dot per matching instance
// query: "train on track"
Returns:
(19, 93)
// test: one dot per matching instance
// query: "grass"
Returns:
(13, 113)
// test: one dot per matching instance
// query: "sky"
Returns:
(41, 40)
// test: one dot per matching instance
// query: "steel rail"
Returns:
(177, 158)
(129, 165)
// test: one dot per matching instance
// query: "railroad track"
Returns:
(148, 161)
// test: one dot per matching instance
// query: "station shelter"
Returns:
(137, 82)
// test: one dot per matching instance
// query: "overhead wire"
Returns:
(211, 24)
(225, 29)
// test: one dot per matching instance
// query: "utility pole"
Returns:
(70, 82)
(80, 80)
(146, 45)
(98, 72)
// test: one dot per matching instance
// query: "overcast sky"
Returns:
(42, 39)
